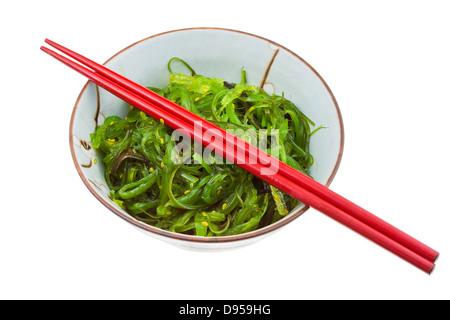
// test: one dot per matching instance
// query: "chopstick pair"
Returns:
(285, 178)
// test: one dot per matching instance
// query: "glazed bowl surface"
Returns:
(218, 53)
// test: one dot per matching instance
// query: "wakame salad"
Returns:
(199, 197)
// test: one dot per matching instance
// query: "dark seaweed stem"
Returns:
(266, 73)
(128, 154)
(97, 111)
(228, 85)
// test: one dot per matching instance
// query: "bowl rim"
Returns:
(192, 238)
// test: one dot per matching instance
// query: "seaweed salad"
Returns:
(197, 196)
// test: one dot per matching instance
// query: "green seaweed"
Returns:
(196, 196)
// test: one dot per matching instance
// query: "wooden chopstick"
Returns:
(278, 180)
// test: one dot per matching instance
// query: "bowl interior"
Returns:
(213, 53)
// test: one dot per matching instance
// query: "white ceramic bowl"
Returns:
(215, 53)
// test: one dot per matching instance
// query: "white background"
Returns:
(387, 63)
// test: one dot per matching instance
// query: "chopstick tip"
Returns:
(436, 257)
(45, 49)
(432, 269)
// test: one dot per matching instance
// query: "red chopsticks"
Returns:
(287, 179)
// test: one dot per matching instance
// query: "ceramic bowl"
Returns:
(215, 53)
